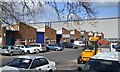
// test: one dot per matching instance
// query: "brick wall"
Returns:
(27, 33)
(86, 34)
(50, 34)
(3, 35)
(77, 35)
(65, 31)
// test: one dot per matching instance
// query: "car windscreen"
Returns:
(5, 47)
(95, 65)
(43, 45)
(34, 45)
(27, 46)
(57, 45)
(20, 63)
(60, 45)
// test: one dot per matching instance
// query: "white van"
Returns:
(79, 43)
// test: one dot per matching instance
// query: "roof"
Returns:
(114, 56)
(77, 20)
(31, 57)
(39, 27)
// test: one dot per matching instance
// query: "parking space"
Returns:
(65, 60)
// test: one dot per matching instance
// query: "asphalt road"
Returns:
(65, 60)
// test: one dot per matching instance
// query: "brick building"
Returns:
(63, 35)
(18, 34)
(2, 36)
(84, 34)
(45, 34)
(50, 35)
(75, 35)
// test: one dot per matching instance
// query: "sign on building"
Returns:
(66, 35)
(13, 27)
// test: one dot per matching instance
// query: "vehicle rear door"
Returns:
(40, 64)
(50, 46)
(16, 50)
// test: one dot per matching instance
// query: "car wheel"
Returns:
(22, 53)
(11, 53)
(73, 47)
(47, 49)
(28, 52)
(79, 60)
(50, 70)
(38, 50)
(56, 49)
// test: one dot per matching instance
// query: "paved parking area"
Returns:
(65, 60)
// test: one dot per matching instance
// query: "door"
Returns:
(17, 51)
(50, 46)
(40, 37)
(40, 64)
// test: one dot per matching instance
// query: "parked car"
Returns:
(27, 48)
(30, 63)
(38, 46)
(118, 48)
(11, 50)
(55, 47)
(79, 43)
(103, 62)
(69, 45)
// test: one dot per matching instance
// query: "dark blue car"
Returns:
(55, 47)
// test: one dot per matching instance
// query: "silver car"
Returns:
(11, 50)
(27, 63)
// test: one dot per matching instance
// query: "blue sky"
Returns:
(107, 9)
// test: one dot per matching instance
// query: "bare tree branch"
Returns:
(28, 11)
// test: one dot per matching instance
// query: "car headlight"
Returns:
(58, 48)
(7, 51)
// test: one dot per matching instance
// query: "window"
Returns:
(52, 45)
(80, 43)
(39, 62)
(20, 63)
(43, 61)
(42, 45)
(101, 65)
(12, 47)
(22, 46)
(36, 63)
(4, 47)
(34, 45)
(49, 45)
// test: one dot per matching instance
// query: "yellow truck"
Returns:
(90, 51)
(87, 54)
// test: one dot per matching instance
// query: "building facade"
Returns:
(18, 34)
(108, 26)
(45, 34)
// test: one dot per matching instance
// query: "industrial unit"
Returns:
(45, 34)
(110, 27)
(57, 32)
(18, 34)
(63, 35)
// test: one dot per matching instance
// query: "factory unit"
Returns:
(20, 33)
(75, 35)
(45, 34)
(108, 26)
(56, 32)
(63, 35)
